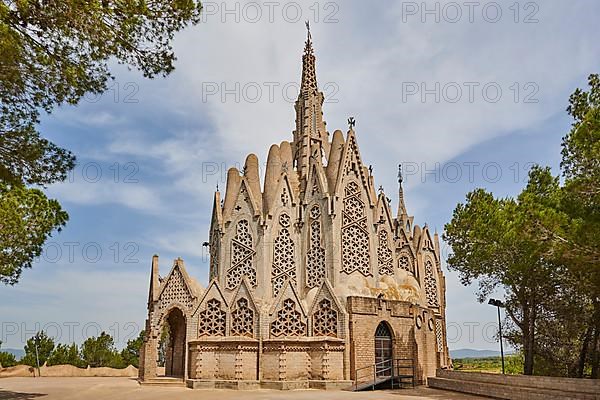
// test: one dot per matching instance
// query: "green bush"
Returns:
(64, 354)
(7, 359)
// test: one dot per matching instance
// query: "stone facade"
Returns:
(303, 271)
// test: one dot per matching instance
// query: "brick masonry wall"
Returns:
(516, 387)
(410, 341)
(540, 382)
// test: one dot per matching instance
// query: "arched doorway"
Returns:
(173, 342)
(383, 350)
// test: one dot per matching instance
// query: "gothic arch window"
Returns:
(325, 319)
(242, 323)
(212, 320)
(384, 254)
(431, 292)
(242, 256)
(284, 265)
(355, 236)
(405, 262)
(315, 257)
(289, 321)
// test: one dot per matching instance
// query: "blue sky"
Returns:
(151, 152)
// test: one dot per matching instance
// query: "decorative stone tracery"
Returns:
(439, 335)
(431, 291)
(325, 320)
(212, 320)
(289, 321)
(355, 235)
(384, 254)
(284, 265)
(405, 262)
(242, 257)
(285, 197)
(315, 257)
(175, 292)
(242, 319)
(215, 243)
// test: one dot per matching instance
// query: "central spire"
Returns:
(310, 132)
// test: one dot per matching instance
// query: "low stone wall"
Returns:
(68, 371)
(516, 387)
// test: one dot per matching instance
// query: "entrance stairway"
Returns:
(167, 381)
(388, 374)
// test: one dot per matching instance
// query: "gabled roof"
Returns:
(351, 150)
(178, 265)
(326, 291)
(243, 290)
(287, 291)
(214, 289)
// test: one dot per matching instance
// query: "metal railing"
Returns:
(387, 370)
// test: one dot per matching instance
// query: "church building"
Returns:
(314, 281)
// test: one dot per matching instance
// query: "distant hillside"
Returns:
(472, 353)
(18, 353)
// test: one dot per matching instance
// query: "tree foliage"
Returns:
(66, 355)
(27, 219)
(53, 53)
(542, 249)
(131, 353)
(7, 359)
(100, 352)
(45, 346)
(494, 242)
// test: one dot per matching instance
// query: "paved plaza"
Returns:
(127, 388)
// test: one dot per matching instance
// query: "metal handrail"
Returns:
(381, 367)
(378, 368)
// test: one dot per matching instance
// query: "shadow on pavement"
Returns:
(8, 395)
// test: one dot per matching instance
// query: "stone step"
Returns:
(169, 382)
(506, 392)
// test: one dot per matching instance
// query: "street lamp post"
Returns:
(498, 304)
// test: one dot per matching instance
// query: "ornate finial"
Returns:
(370, 170)
(400, 179)
(351, 123)
(380, 189)
(217, 186)
(308, 50)
(401, 205)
